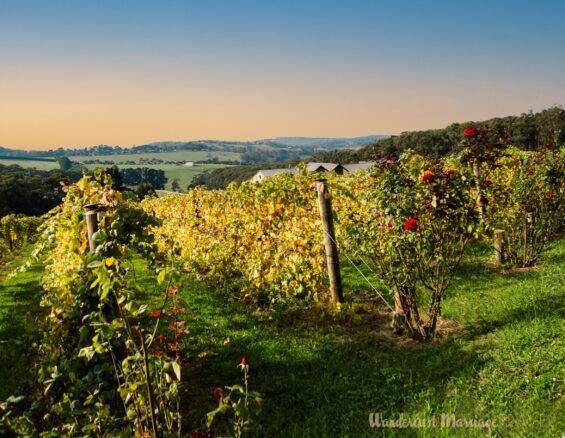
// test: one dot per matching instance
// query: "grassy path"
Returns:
(19, 309)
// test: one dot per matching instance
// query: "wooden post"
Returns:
(499, 246)
(91, 214)
(325, 203)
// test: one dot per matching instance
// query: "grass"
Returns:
(19, 310)
(500, 358)
(502, 363)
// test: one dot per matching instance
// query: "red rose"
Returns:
(488, 182)
(548, 194)
(471, 132)
(549, 145)
(159, 353)
(244, 361)
(428, 178)
(411, 224)
(155, 313)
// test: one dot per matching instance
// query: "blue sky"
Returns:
(76, 73)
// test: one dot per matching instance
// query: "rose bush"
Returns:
(432, 220)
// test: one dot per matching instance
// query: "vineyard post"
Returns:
(91, 214)
(325, 203)
(499, 246)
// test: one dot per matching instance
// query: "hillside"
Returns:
(527, 131)
(251, 151)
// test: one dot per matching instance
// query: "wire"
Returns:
(360, 272)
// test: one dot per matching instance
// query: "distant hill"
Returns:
(259, 151)
(323, 142)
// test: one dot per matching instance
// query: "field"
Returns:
(39, 165)
(172, 171)
(499, 359)
(165, 156)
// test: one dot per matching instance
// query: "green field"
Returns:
(39, 165)
(499, 359)
(165, 156)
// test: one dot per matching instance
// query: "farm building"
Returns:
(340, 169)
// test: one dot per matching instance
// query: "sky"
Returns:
(125, 72)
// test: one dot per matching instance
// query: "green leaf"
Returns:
(176, 369)
(161, 276)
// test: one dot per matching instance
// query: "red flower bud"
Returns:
(488, 182)
(548, 194)
(530, 171)
(161, 338)
(428, 178)
(155, 314)
(549, 145)
(450, 172)
(244, 361)
(411, 225)
(471, 132)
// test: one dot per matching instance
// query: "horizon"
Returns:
(81, 74)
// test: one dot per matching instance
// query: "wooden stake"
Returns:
(499, 246)
(91, 214)
(325, 203)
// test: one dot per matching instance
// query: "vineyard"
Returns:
(119, 334)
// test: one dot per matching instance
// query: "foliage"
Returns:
(31, 192)
(528, 202)
(16, 230)
(238, 400)
(144, 175)
(98, 370)
(528, 131)
(263, 237)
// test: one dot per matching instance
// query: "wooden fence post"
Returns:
(325, 203)
(91, 214)
(499, 246)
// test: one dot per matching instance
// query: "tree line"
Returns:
(528, 131)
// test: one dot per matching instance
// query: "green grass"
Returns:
(19, 311)
(502, 361)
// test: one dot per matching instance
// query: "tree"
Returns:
(175, 186)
